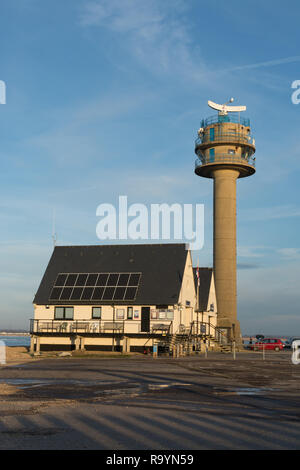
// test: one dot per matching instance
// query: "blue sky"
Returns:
(104, 98)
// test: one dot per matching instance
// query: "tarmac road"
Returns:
(141, 403)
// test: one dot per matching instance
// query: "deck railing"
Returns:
(235, 137)
(98, 326)
(224, 158)
(230, 117)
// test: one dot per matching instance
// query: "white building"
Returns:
(122, 298)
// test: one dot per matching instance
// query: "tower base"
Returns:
(232, 331)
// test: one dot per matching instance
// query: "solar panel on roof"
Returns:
(87, 293)
(113, 279)
(102, 279)
(123, 279)
(91, 280)
(71, 279)
(97, 294)
(66, 293)
(60, 281)
(95, 286)
(81, 280)
(134, 279)
(108, 293)
(119, 293)
(130, 293)
(76, 294)
(55, 294)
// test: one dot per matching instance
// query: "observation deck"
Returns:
(204, 166)
(225, 141)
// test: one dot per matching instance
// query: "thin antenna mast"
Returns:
(54, 235)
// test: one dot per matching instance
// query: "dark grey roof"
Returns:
(205, 282)
(161, 265)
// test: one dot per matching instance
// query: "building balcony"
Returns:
(97, 327)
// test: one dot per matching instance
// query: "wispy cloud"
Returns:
(252, 251)
(248, 266)
(267, 63)
(270, 213)
(155, 32)
(289, 253)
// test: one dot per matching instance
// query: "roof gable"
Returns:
(205, 275)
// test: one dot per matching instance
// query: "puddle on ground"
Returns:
(30, 383)
(244, 391)
(161, 386)
(87, 388)
(137, 389)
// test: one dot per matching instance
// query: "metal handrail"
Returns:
(217, 332)
(93, 325)
(230, 117)
(224, 158)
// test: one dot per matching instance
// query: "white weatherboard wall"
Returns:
(187, 294)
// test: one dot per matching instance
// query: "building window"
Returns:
(64, 313)
(170, 315)
(129, 313)
(120, 313)
(231, 152)
(96, 313)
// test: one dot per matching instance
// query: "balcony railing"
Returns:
(98, 326)
(224, 158)
(230, 117)
(234, 137)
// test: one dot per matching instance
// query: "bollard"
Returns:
(234, 350)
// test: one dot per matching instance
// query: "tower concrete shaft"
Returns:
(225, 151)
(225, 248)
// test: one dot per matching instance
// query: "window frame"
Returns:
(129, 309)
(96, 307)
(120, 313)
(63, 317)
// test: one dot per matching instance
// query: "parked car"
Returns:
(274, 344)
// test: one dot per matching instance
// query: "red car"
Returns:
(274, 344)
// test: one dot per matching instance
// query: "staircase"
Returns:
(187, 337)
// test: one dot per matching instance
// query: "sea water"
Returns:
(11, 340)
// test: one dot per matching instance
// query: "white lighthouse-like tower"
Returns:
(225, 150)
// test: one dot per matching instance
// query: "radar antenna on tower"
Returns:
(224, 109)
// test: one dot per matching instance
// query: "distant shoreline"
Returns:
(5, 333)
